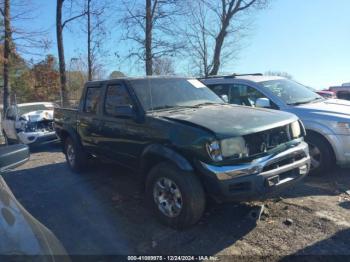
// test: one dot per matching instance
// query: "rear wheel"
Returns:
(176, 197)
(75, 155)
(321, 153)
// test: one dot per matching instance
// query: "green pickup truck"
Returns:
(185, 142)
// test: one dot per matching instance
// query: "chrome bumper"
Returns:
(260, 165)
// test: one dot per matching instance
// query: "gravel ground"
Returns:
(103, 212)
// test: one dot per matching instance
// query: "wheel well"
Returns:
(63, 135)
(314, 133)
(149, 161)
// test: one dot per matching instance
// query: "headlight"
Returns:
(214, 151)
(343, 128)
(234, 147)
(295, 129)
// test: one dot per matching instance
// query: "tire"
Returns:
(191, 197)
(321, 153)
(76, 157)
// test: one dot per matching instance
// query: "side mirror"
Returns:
(124, 110)
(13, 156)
(263, 102)
(225, 98)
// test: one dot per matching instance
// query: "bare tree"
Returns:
(148, 23)
(95, 29)
(279, 73)
(7, 52)
(60, 24)
(211, 27)
(163, 66)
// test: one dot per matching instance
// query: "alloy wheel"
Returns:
(167, 196)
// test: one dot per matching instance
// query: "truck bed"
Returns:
(65, 117)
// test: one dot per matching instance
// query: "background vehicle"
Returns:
(29, 123)
(185, 142)
(342, 92)
(326, 93)
(21, 234)
(327, 121)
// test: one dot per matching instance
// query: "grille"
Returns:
(264, 141)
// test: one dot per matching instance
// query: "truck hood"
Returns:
(36, 116)
(230, 120)
(331, 108)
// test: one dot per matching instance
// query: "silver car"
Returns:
(327, 121)
(22, 235)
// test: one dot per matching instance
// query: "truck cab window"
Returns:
(117, 97)
(92, 99)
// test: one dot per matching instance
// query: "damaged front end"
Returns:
(36, 127)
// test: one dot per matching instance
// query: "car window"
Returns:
(92, 101)
(220, 90)
(116, 96)
(238, 94)
(291, 92)
(244, 95)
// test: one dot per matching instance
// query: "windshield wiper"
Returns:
(168, 107)
(206, 103)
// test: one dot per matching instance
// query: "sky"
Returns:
(308, 39)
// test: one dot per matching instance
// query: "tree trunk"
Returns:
(148, 42)
(219, 41)
(89, 40)
(7, 55)
(62, 65)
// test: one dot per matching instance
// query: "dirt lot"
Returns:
(103, 212)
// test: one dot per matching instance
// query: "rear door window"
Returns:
(117, 96)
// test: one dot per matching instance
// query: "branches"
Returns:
(73, 18)
(213, 30)
(150, 25)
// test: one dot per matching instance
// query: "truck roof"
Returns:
(127, 78)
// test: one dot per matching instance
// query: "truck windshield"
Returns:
(163, 93)
(292, 93)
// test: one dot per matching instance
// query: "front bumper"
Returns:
(257, 179)
(36, 137)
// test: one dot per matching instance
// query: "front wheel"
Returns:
(322, 157)
(75, 155)
(176, 197)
